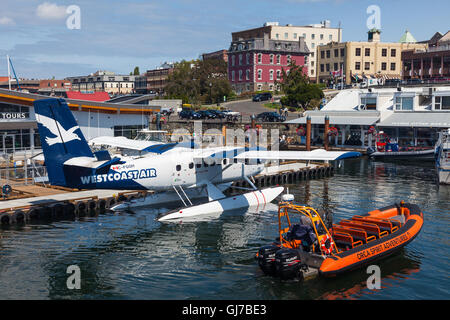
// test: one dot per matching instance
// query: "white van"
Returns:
(369, 83)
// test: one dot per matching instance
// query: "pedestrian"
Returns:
(286, 112)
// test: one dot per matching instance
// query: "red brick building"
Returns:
(256, 64)
(432, 64)
(220, 55)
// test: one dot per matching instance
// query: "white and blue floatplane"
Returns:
(174, 171)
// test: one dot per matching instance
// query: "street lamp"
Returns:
(210, 96)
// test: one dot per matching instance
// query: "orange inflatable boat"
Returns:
(315, 246)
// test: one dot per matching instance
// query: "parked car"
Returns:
(219, 114)
(270, 117)
(392, 82)
(231, 115)
(413, 81)
(189, 114)
(262, 96)
(206, 114)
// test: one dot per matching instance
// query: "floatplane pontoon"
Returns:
(178, 170)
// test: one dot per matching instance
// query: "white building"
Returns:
(410, 115)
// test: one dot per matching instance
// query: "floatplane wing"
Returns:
(122, 142)
(241, 154)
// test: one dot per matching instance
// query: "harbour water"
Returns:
(131, 256)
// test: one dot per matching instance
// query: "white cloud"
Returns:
(5, 21)
(49, 10)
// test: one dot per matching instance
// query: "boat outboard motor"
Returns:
(266, 259)
(287, 263)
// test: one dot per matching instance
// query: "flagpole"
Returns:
(9, 72)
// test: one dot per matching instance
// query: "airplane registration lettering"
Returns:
(119, 176)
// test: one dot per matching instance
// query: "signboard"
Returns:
(12, 115)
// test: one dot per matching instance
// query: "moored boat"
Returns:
(443, 157)
(389, 149)
(313, 246)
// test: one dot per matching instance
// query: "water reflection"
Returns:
(132, 256)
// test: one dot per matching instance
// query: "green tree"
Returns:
(199, 81)
(299, 91)
(181, 83)
(136, 71)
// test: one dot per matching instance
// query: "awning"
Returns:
(339, 120)
(428, 119)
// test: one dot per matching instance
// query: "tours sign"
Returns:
(13, 115)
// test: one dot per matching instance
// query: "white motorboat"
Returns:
(443, 157)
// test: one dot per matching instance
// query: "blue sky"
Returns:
(118, 35)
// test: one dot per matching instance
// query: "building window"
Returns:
(271, 75)
(369, 103)
(259, 74)
(322, 68)
(357, 65)
(259, 88)
(278, 74)
(295, 36)
(288, 59)
(358, 52)
(367, 66)
(393, 52)
(321, 37)
(328, 67)
(313, 36)
(328, 54)
(278, 59)
(313, 45)
(247, 58)
(286, 35)
(271, 59)
(271, 89)
(277, 36)
(404, 103)
(322, 54)
(312, 72)
(367, 52)
(336, 53)
(393, 66)
(330, 37)
(259, 58)
(240, 75)
(384, 66)
(233, 60)
(384, 52)
(336, 67)
(240, 59)
(342, 52)
(247, 74)
(442, 103)
(232, 75)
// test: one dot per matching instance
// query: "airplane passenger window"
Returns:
(178, 167)
(224, 161)
(198, 165)
(191, 165)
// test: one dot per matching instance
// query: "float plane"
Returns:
(175, 171)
